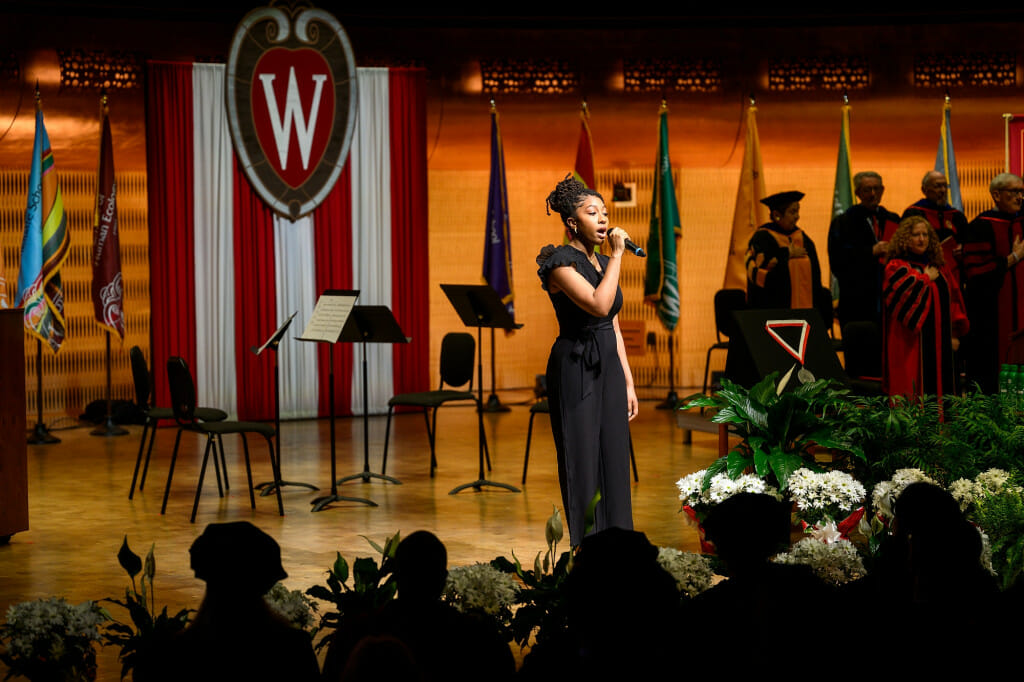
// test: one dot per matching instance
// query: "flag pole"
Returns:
(40, 434)
(108, 428)
(494, 403)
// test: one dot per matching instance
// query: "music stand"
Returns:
(268, 487)
(478, 306)
(370, 324)
(325, 326)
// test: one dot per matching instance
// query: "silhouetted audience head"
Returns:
(421, 567)
(748, 528)
(237, 557)
(924, 505)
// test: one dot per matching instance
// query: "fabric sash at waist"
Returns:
(586, 350)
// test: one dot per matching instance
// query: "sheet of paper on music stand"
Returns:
(329, 316)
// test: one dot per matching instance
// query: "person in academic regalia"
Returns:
(782, 261)
(993, 248)
(858, 242)
(949, 223)
(924, 314)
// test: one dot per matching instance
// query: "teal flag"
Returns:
(661, 285)
(842, 197)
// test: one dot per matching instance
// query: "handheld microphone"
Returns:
(634, 249)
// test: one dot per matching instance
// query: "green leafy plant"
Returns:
(148, 629)
(372, 586)
(1001, 515)
(542, 612)
(780, 430)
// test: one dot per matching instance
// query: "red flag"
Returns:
(107, 289)
(584, 167)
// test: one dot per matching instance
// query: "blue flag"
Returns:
(44, 246)
(945, 159)
(497, 245)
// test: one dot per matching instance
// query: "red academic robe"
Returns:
(921, 318)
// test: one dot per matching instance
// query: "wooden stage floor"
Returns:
(79, 507)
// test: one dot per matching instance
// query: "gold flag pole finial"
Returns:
(846, 98)
(586, 111)
(494, 106)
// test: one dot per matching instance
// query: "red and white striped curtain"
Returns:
(225, 271)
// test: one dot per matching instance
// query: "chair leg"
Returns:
(149, 454)
(707, 368)
(387, 434)
(483, 437)
(248, 471)
(529, 435)
(216, 466)
(275, 467)
(170, 471)
(202, 473)
(431, 435)
(223, 463)
(138, 458)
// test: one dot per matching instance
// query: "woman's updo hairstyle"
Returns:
(567, 197)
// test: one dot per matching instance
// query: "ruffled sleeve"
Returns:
(551, 257)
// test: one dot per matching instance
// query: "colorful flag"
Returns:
(497, 245)
(107, 289)
(842, 197)
(4, 303)
(44, 246)
(749, 213)
(945, 158)
(661, 285)
(583, 169)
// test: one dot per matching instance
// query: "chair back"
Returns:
(183, 391)
(458, 350)
(141, 377)
(726, 302)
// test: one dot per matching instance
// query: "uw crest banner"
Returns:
(291, 96)
(225, 270)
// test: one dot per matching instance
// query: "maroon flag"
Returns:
(107, 290)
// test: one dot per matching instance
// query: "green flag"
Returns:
(842, 197)
(661, 285)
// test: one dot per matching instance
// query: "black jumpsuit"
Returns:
(587, 395)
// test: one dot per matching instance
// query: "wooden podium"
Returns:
(13, 465)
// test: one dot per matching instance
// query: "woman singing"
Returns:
(924, 314)
(590, 387)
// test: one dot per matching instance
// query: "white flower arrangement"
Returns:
(834, 562)
(480, 587)
(885, 493)
(692, 572)
(829, 495)
(991, 482)
(45, 636)
(292, 605)
(722, 487)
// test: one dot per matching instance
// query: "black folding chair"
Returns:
(457, 354)
(143, 396)
(183, 397)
